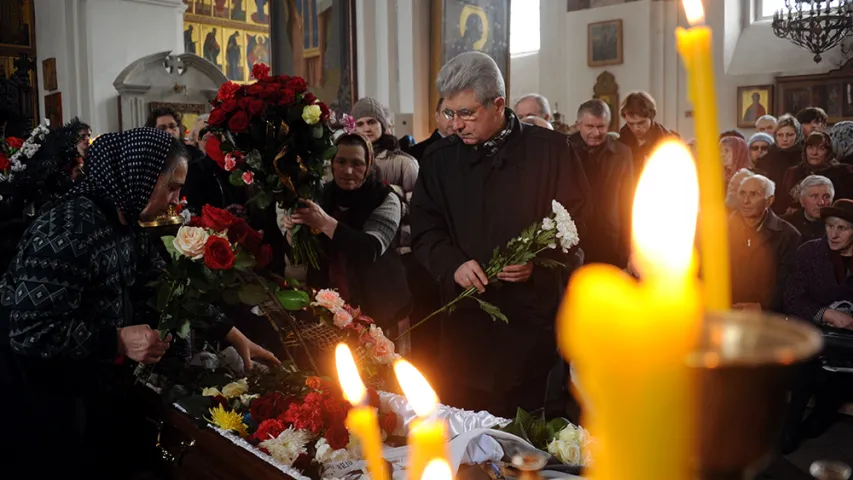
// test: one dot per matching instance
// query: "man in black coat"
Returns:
(444, 127)
(814, 193)
(641, 133)
(608, 165)
(477, 190)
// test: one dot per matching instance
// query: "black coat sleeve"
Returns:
(574, 190)
(788, 255)
(627, 188)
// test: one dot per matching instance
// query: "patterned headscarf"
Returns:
(740, 156)
(842, 139)
(124, 167)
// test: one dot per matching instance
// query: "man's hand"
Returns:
(516, 273)
(142, 344)
(471, 274)
(249, 349)
(838, 319)
(753, 307)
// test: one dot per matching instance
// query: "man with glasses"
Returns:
(167, 120)
(641, 133)
(477, 190)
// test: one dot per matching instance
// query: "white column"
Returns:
(381, 45)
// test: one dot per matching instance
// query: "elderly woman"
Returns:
(814, 193)
(735, 157)
(820, 290)
(818, 159)
(789, 151)
(760, 145)
(766, 124)
(359, 217)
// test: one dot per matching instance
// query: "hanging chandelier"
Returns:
(816, 25)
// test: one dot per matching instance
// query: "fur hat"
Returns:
(370, 107)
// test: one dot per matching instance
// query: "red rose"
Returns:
(337, 436)
(217, 219)
(286, 96)
(388, 422)
(4, 162)
(244, 103)
(309, 98)
(260, 71)
(269, 92)
(324, 115)
(217, 117)
(227, 91)
(297, 84)
(240, 232)
(239, 122)
(269, 405)
(263, 256)
(218, 254)
(14, 142)
(372, 397)
(213, 148)
(256, 107)
(335, 411)
(256, 89)
(229, 106)
(270, 428)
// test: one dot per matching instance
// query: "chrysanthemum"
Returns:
(288, 446)
(227, 420)
(567, 231)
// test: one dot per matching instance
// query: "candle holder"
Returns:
(744, 365)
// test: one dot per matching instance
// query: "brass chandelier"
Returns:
(816, 25)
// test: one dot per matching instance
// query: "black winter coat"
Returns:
(641, 153)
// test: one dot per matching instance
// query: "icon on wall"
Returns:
(604, 43)
(753, 102)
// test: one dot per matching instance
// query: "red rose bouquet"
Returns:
(273, 136)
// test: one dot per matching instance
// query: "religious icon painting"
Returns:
(189, 4)
(53, 108)
(238, 10)
(235, 67)
(211, 46)
(221, 9)
(257, 49)
(192, 38)
(604, 43)
(259, 13)
(203, 7)
(753, 102)
(476, 25)
(834, 101)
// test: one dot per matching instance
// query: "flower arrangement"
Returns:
(568, 443)
(273, 135)
(14, 151)
(557, 229)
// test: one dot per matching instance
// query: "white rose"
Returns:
(211, 392)
(328, 299)
(235, 389)
(342, 318)
(190, 242)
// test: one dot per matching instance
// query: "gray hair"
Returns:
(596, 108)
(765, 118)
(541, 101)
(769, 185)
(471, 71)
(813, 181)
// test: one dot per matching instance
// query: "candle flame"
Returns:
(351, 383)
(418, 392)
(665, 207)
(694, 11)
(437, 469)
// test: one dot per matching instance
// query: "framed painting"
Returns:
(48, 71)
(53, 108)
(753, 102)
(604, 43)
(832, 91)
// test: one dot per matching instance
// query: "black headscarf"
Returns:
(123, 168)
(361, 202)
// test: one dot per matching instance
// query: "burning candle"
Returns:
(437, 469)
(361, 419)
(628, 340)
(694, 45)
(427, 434)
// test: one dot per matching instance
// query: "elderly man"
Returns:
(766, 124)
(443, 128)
(641, 133)
(762, 247)
(477, 190)
(609, 167)
(535, 105)
(813, 193)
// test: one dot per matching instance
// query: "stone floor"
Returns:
(835, 444)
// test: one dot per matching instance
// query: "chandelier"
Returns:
(816, 25)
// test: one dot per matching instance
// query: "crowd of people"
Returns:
(406, 229)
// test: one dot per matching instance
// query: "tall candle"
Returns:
(361, 420)
(627, 340)
(428, 439)
(695, 48)
(437, 470)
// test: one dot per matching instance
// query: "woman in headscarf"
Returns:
(788, 151)
(818, 159)
(760, 145)
(359, 217)
(67, 310)
(735, 157)
(842, 141)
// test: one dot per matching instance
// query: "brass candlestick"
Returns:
(744, 365)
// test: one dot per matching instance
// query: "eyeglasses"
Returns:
(170, 126)
(464, 114)
(756, 148)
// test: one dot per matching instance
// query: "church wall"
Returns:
(50, 17)
(524, 76)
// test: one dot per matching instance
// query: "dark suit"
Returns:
(420, 148)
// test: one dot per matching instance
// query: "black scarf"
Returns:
(359, 203)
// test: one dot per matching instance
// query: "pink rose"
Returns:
(342, 318)
(248, 177)
(383, 351)
(329, 299)
(230, 162)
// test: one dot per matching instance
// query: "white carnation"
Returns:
(288, 446)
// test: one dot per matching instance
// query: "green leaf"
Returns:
(243, 260)
(329, 153)
(236, 178)
(548, 263)
(317, 132)
(164, 291)
(183, 329)
(492, 310)
(230, 296)
(253, 160)
(263, 199)
(556, 426)
(293, 300)
(523, 419)
(252, 294)
(292, 281)
(169, 243)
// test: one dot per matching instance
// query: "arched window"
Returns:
(524, 27)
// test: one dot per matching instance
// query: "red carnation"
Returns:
(270, 428)
(337, 436)
(388, 422)
(227, 91)
(287, 96)
(298, 84)
(255, 107)
(213, 148)
(260, 71)
(269, 405)
(218, 254)
(4, 162)
(217, 117)
(14, 142)
(217, 219)
(239, 122)
(229, 106)
(335, 411)
(305, 416)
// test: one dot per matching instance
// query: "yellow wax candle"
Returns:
(437, 470)
(695, 48)
(628, 340)
(428, 439)
(361, 419)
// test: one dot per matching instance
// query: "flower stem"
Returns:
(467, 293)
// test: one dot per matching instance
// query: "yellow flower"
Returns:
(211, 392)
(311, 114)
(235, 389)
(227, 420)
